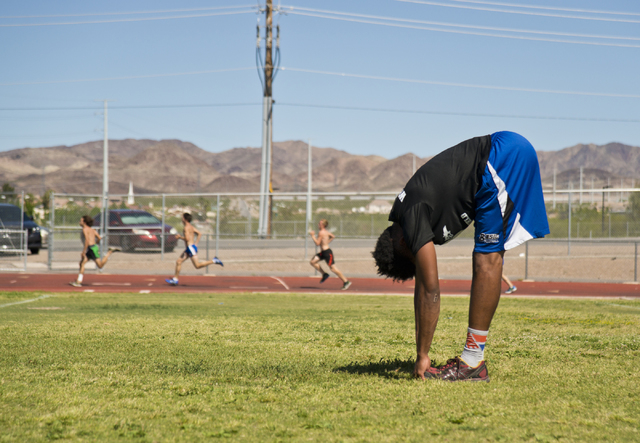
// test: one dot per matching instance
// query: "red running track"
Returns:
(156, 284)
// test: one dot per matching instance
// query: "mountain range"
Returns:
(170, 166)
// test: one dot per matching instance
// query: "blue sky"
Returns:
(416, 90)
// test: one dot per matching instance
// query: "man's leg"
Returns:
(485, 289)
(315, 262)
(198, 265)
(78, 281)
(336, 271)
(179, 262)
(100, 262)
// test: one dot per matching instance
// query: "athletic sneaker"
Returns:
(457, 370)
(325, 276)
(346, 285)
(115, 249)
(217, 261)
(511, 290)
(172, 281)
(75, 284)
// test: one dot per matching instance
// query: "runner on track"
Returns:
(91, 251)
(192, 249)
(323, 239)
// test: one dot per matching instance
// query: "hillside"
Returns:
(168, 166)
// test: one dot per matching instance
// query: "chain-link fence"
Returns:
(588, 241)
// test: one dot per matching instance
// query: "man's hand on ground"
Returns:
(422, 364)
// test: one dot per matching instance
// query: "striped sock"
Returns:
(473, 353)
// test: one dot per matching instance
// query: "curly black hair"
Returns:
(390, 262)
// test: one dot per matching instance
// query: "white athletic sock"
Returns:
(473, 352)
(79, 278)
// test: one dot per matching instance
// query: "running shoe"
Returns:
(325, 276)
(115, 249)
(457, 370)
(346, 285)
(217, 261)
(172, 281)
(75, 284)
(511, 290)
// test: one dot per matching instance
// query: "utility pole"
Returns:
(267, 77)
(105, 181)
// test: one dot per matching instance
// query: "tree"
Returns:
(46, 199)
(8, 192)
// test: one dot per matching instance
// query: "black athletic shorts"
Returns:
(327, 256)
(92, 252)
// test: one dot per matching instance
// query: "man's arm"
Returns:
(315, 239)
(330, 237)
(197, 234)
(96, 236)
(426, 303)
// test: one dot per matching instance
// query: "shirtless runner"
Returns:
(90, 251)
(191, 251)
(323, 239)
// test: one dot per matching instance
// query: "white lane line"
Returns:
(25, 301)
(89, 290)
(282, 283)
(249, 287)
(110, 284)
(150, 284)
(145, 291)
(13, 281)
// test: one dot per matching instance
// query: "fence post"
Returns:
(162, 239)
(569, 230)
(206, 269)
(609, 224)
(526, 261)
(24, 234)
(217, 222)
(52, 207)
(635, 264)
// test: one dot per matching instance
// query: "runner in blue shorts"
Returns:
(493, 180)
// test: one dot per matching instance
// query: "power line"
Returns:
(488, 28)
(454, 31)
(93, 108)
(129, 77)
(548, 8)
(511, 11)
(123, 20)
(348, 108)
(460, 114)
(461, 85)
(94, 14)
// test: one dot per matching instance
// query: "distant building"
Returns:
(379, 207)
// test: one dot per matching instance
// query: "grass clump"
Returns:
(294, 367)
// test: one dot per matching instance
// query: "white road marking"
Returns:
(89, 290)
(150, 284)
(281, 282)
(25, 301)
(13, 281)
(145, 291)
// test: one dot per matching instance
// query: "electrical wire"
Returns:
(453, 31)
(460, 114)
(93, 22)
(95, 14)
(129, 77)
(547, 8)
(461, 85)
(455, 25)
(508, 11)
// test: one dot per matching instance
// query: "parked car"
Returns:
(10, 218)
(133, 229)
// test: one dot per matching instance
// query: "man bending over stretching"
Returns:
(494, 180)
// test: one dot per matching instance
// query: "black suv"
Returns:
(10, 218)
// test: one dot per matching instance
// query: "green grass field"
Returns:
(140, 367)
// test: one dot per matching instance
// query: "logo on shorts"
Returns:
(466, 218)
(489, 238)
(446, 234)
(401, 196)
